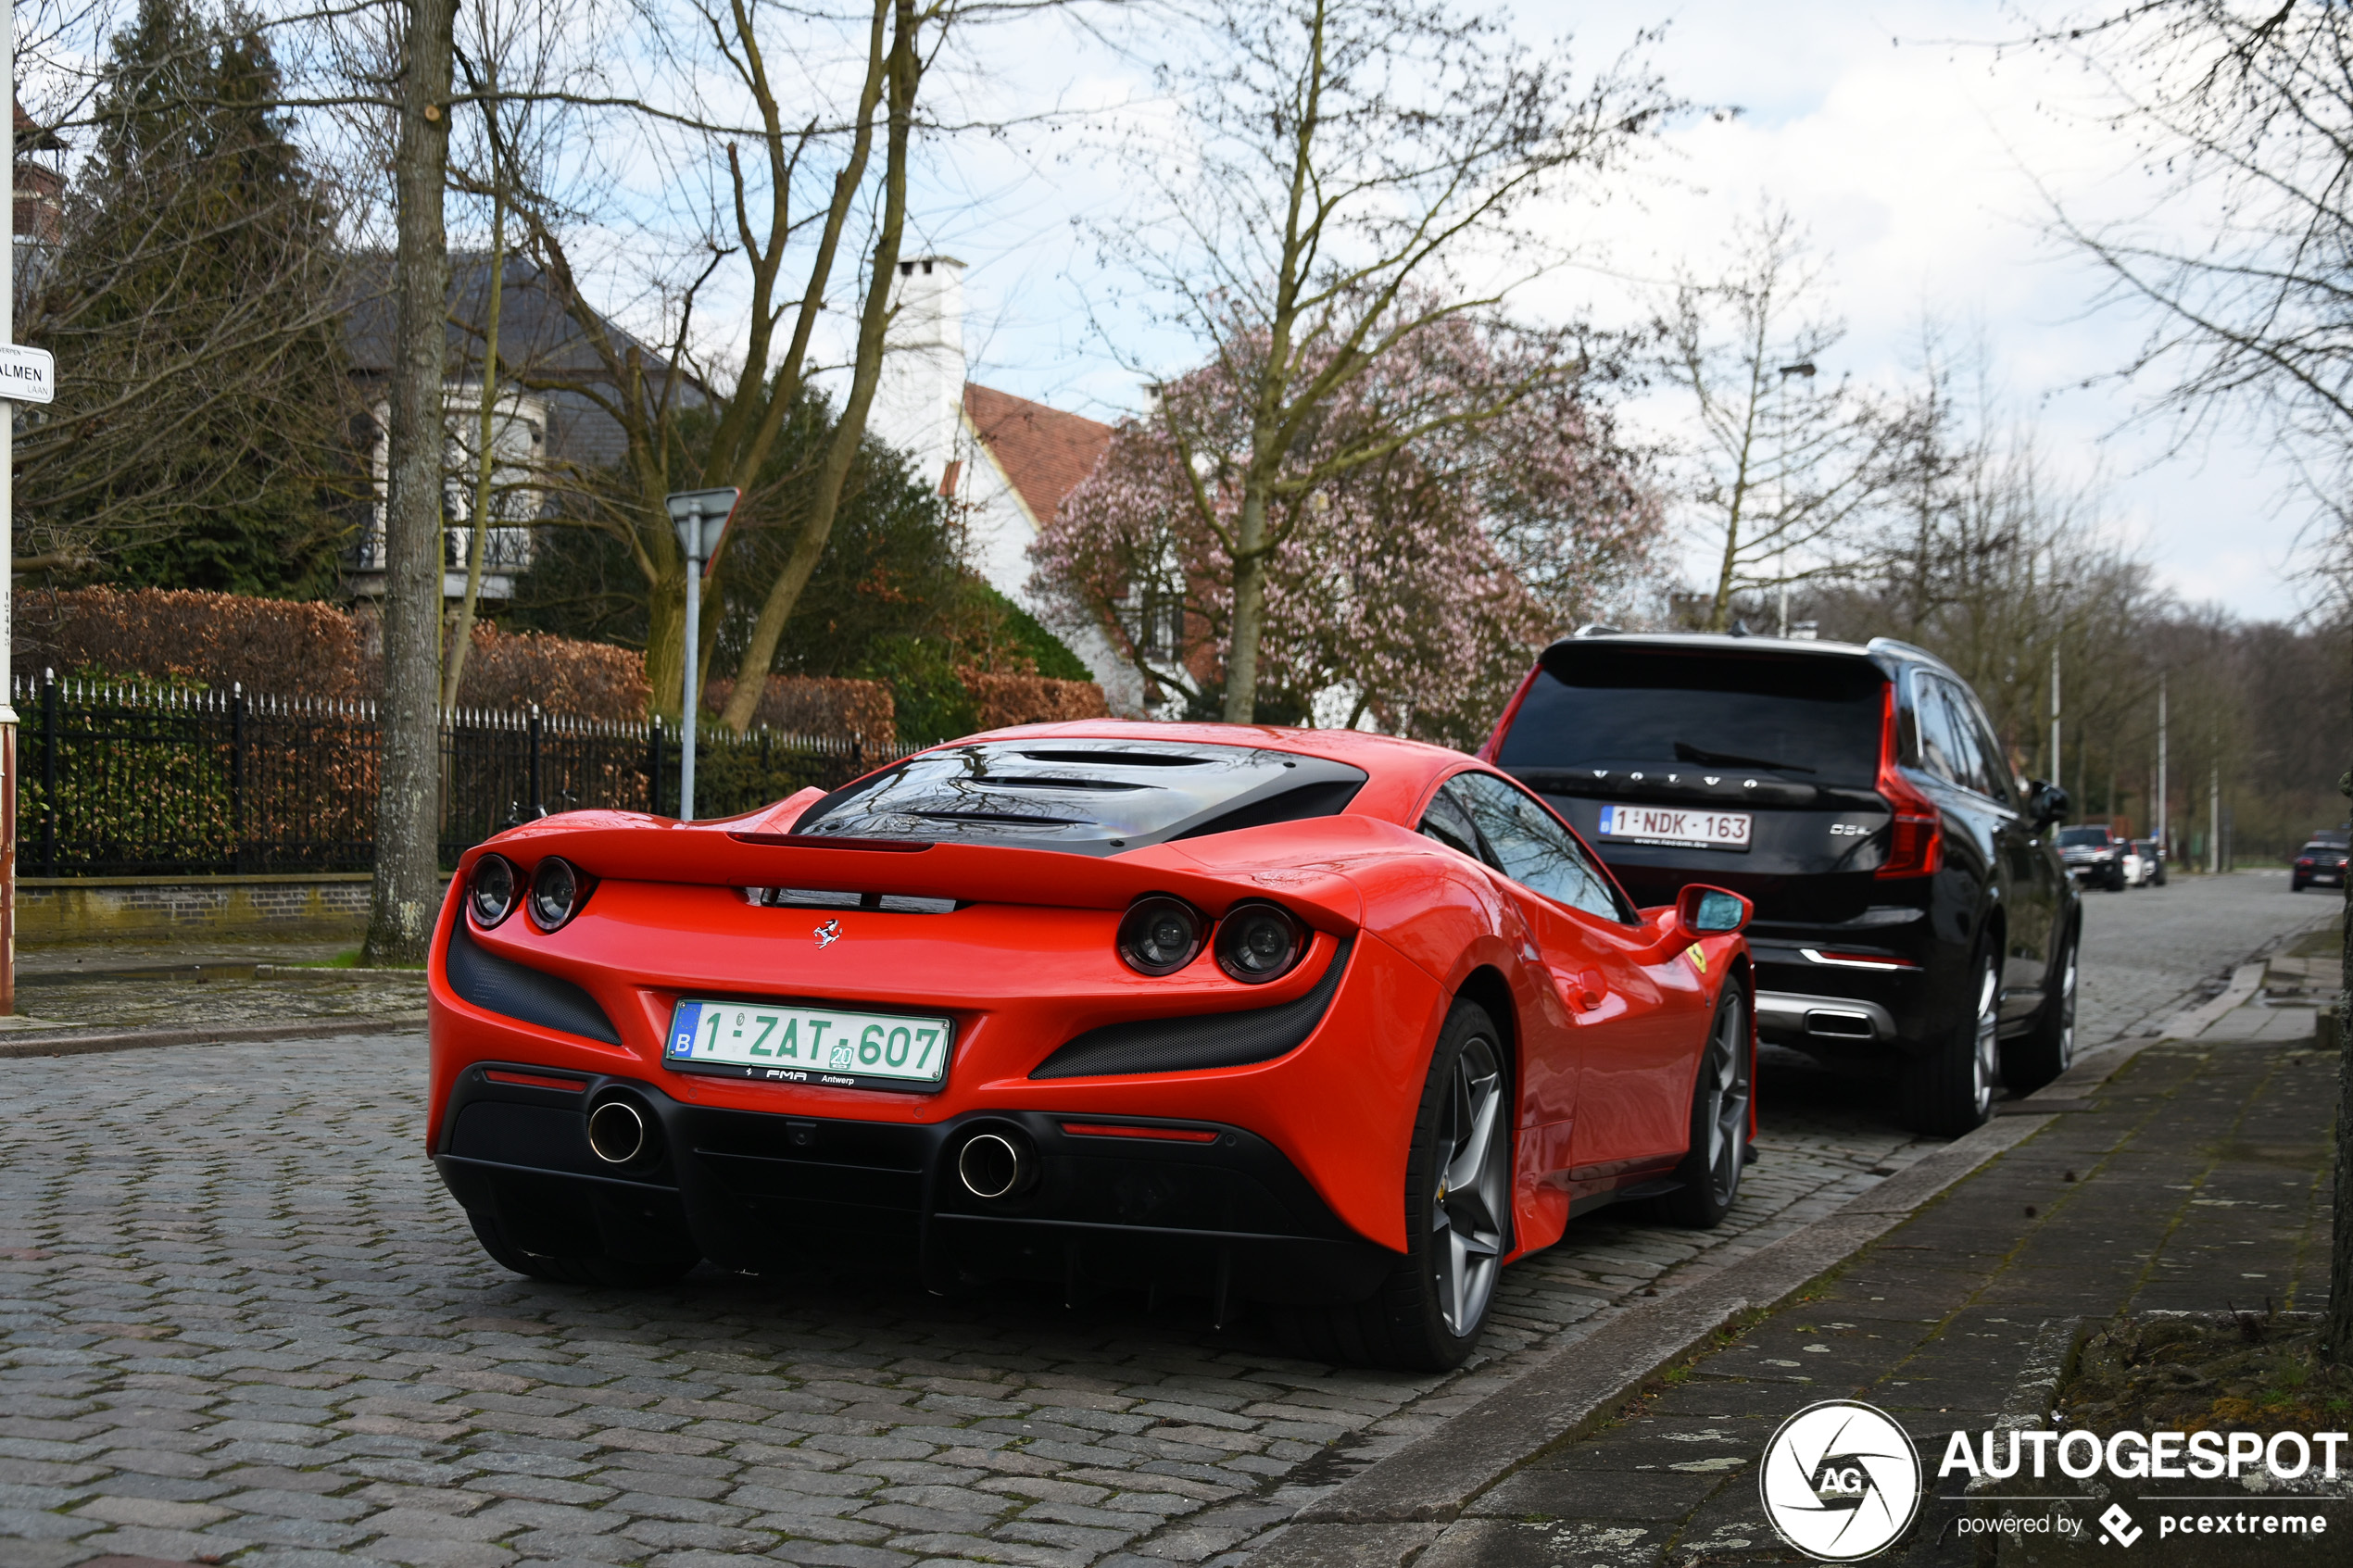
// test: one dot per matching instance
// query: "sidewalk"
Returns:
(81, 992)
(2195, 1178)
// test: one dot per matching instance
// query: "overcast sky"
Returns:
(1913, 157)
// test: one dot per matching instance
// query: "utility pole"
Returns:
(701, 519)
(2214, 814)
(2056, 769)
(2164, 844)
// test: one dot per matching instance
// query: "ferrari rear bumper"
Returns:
(1194, 1207)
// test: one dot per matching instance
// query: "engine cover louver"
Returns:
(1194, 1045)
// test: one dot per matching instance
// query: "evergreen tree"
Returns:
(193, 299)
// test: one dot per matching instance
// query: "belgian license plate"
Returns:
(1663, 824)
(787, 1042)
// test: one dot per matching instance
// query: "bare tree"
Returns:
(2247, 112)
(1787, 462)
(694, 419)
(408, 882)
(1337, 174)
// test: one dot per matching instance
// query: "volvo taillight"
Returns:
(1916, 839)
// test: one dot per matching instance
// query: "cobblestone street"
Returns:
(242, 1319)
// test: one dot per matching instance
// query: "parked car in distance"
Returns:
(1333, 1022)
(2093, 858)
(2320, 863)
(2152, 863)
(1911, 912)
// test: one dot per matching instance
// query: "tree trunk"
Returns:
(461, 634)
(904, 73)
(408, 884)
(2338, 1342)
(666, 640)
(1250, 610)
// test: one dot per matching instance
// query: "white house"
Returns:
(1003, 462)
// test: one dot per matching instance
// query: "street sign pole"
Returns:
(9, 542)
(701, 518)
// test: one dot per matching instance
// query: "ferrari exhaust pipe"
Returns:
(619, 1133)
(996, 1164)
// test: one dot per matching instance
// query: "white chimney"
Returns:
(919, 398)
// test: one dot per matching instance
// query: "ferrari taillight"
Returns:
(1160, 934)
(1915, 837)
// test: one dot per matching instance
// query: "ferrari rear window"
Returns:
(1092, 798)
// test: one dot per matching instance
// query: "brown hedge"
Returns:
(275, 645)
(816, 705)
(1002, 700)
(285, 647)
(562, 675)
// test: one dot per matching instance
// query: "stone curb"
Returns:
(1398, 1504)
(224, 1034)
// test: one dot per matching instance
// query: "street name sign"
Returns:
(27, 375)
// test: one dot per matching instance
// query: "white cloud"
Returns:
(1916, 167)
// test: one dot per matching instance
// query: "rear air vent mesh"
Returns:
(501, 985)
(1194, 1044)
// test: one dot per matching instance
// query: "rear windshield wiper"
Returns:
(1686, 752)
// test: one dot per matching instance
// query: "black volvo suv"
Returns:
(1911, 908)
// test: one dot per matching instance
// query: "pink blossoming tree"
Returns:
(1409, 591)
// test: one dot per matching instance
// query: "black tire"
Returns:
(1947, 1089)
(630, 1273)
(2295, 885)
(1720, 1098)
(2116, 878)
(2048, 1049)
(1415, 1321)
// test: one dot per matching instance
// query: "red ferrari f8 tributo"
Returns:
(1336, 1024)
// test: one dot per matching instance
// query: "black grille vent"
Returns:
(1194, 1044)
(500, 986)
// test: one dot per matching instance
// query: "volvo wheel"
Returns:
(1947, 1089)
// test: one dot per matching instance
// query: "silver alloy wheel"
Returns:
(2067, 1011)
(1466, 1216)
(1988, 1064)
(1724, 1092)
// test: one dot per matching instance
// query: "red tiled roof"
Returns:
(1044, 452)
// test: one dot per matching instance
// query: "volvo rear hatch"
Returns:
(1762, 767)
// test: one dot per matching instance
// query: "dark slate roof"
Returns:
(538, 342)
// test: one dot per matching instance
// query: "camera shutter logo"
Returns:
(1840, 1481)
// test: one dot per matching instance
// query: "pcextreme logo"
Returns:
(1840, 1481)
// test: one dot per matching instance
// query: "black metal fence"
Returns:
(134, 780)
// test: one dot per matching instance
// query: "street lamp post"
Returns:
(701, 519)
(1780, 475)
(2164, 845)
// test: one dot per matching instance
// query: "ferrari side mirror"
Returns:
(1698, 911)
(1710, 912)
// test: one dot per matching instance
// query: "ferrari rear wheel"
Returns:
(1427, 1316)
(1720, 1099)
(577, 1271)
